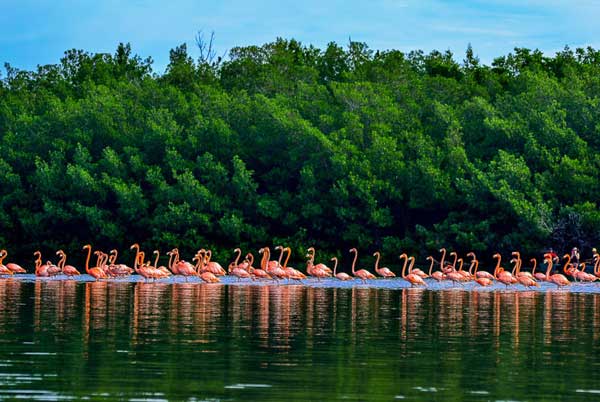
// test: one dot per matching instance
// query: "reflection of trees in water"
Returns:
(10, 303)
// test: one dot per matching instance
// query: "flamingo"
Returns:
(500, 274)
(292, 273)
(162, 271)
(3, 268)
(213, 266)
(272, 269)
(202, 273)
(537, 275)
(475, 266)
(584, 276)
(277, 266)
(437, 275)
(414, 279)
(95, 272)
(14, 268)
(318, 271)
(234, 264)
(518, 272)
(118, 269)
(342, 276)
(465, 275)
(68, 270)
(480, 274)
(235, 270)
(256, 272)
(311, 251)
(383, 272)
(558, 279)
(183, 267)
(361, 273)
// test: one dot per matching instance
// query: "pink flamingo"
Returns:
(3, 268)
(14, 268)
(558, 279)
(311, 254)
(315, 270)
(162, 271)
(537, 275)
(342, 276)
(475, 266)
(272, 269)
(235, 269)
(502, 275)
(361, 273)
(256, 272)
(118, 269)
(201, 271)
(68, 270)
(383, 272)
(437, 275)
(183, 267)
(292, 273)
(413, 279)
(95, 272)
(584, 276)
(213, 266)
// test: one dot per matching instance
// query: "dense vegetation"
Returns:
(287, 143)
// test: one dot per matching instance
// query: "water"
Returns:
(160, 341)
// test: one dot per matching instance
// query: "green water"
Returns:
(132, 341)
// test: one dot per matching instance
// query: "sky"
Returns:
(38, 32)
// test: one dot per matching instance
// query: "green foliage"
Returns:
(283, 142)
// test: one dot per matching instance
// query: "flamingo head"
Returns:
(262, 250)
(376, 253)
(278, 247)
(353, 250)
(516, 253)
(403, 255)
(237, 250)
(566, 256)
(429, 258)
(471, 254)
(497, 255)
(134, 245)
(87, 246)
(453, 253)
(333, 258)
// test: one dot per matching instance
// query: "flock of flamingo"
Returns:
(209, 271)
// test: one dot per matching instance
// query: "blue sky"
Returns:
(38, 32)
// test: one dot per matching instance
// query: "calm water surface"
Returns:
(153, 341)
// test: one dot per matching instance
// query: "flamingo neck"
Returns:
(335, 263)
(534, 266)
(431, 266)
(354, 260)
(497, 269)
(237, 258)
(289, 252)
(442, 259)
(567, 264)
(378, 256)
(87, 260)
(156, 259)
(405, 257)
(412, 264)
(250, 260)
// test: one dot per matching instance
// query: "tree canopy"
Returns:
(339, 147)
